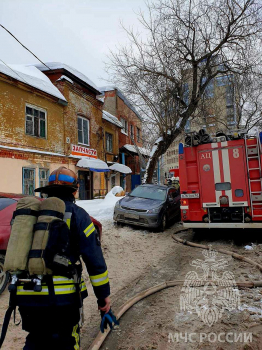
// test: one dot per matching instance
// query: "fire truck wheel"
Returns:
(4, 276)
(163, 223)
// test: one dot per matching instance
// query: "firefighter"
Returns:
(175, 182)
(56, 325)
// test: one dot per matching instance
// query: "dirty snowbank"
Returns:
(102, 209)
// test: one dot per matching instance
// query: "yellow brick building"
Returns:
(47, 123)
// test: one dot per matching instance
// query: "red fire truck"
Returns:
(220, 183)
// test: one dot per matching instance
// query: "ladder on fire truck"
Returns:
(253, 151)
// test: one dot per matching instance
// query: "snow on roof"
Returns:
(111, 119)
(132, 148)
(108, 88)
(30, 75)
(64, 77)
(75, 72)
(121, 95)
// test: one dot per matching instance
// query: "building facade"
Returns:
(86, 128)
(49, 118)
(30, 146)
(130, 136)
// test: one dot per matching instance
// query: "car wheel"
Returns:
(163, 223)
(4, 276)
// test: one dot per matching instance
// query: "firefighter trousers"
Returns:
(51, 328)
(52, 341)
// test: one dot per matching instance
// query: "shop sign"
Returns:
(83, 151)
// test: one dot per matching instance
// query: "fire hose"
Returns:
(223, 251)
(100, 338)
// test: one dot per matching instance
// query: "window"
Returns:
(125, 125)
(209, 90)
(109, 142)
(132, 131)
(35, 121)
(229, 95)
(5, 202)
(138, 135)
(43, 177)
(187, 126)
(223, 186)
(28, 181)
(239, 193)
(83, 131)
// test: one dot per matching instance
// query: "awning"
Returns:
(121, 168)
(132, 149)
(93, 164)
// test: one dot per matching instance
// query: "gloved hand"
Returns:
(108, 319)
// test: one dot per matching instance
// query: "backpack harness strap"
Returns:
(35, 253)
(57, 214)
(25, 212)
(41, 226)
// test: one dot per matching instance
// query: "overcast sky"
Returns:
(76, 32)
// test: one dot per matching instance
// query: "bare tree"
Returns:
(188, 43)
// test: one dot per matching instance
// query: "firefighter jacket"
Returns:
(84, 242)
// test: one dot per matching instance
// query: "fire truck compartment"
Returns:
(226, 214)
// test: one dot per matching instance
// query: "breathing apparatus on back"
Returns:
(39, 243)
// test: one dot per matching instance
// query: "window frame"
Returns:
(226, 186)
(112, 145)
(125, 125)
(132, 131)
(138, 134)
(39, 109)
(88, 130)
(23, 180)
(39, 177)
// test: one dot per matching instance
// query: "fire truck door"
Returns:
(223, 173)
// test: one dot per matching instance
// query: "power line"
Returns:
(14, 71)
(24, 46)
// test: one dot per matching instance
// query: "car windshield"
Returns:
(5, 202)
(149, 193)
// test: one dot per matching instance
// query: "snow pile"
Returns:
(102, 209)
(114, 191)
